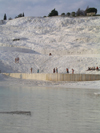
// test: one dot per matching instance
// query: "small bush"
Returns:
(16, 39)
(53, 13)
(63, 14)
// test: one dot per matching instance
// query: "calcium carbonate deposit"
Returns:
(74, 43)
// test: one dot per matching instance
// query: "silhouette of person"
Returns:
(31, 69)
(72, 71)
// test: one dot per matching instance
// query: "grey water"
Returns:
(53, 110)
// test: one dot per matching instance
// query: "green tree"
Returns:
(20, 15)
(86, 10)
(5, 17)
(80, 12)
(73, 14)
(53, 13)
(63, 14)
(68, 14)
(89, 10)
(23, 15)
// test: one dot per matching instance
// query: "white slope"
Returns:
(73, 42)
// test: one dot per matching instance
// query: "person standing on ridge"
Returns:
(72, 71)
(31, 69)
(67, 70)
(56, 70)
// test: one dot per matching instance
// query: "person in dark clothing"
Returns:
(72, 71)
(31, 69)
(54, 70)
(67, 70)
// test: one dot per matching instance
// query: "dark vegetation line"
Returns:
(87, 12)
(17, 112)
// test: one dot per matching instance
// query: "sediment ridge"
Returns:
(55, 76)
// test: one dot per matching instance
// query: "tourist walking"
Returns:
(56, 70)
(97, 68)
(67, 70)
(37, 70)
(31, 69)
(72, 71)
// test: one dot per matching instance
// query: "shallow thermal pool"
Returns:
(53, 110)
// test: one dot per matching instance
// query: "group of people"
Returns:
(32, 69)
(55, 70)
(93, 68)
(67, 70)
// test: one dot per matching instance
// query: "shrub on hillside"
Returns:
(10, 18)
(20, 15)
(63, 14)
(68, 14)
(73, 14)
(53, 13)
